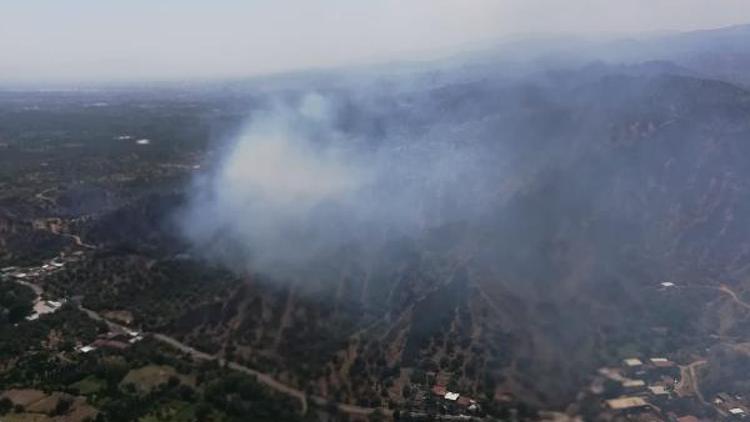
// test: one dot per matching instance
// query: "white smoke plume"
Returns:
(292, 188)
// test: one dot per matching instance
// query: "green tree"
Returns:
(5, 405)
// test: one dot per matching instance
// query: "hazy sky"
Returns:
(157, 39)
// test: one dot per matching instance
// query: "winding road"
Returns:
(266, 379)
(77, 240)
(261, 377)
(688, 384)
(736, 299)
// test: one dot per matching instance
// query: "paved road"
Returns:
(113, 326)
(262, 377)
(197, 354)
(267, 379)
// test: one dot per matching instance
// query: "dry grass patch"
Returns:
(24, 396)
(149, 377)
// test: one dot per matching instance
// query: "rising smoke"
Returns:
(295, 187)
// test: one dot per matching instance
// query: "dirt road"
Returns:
(688, 384)
(77, 240)
(736, 299)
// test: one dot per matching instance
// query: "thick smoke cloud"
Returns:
(294, 188)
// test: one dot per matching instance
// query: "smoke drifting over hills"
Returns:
(294, 186)
(370, 159)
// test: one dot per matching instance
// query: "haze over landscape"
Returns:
(85, 41)
(389, 211)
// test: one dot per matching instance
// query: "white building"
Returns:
(737, 411)
(86, 349)
(451, 396)
(658, 390)
(632, 362)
